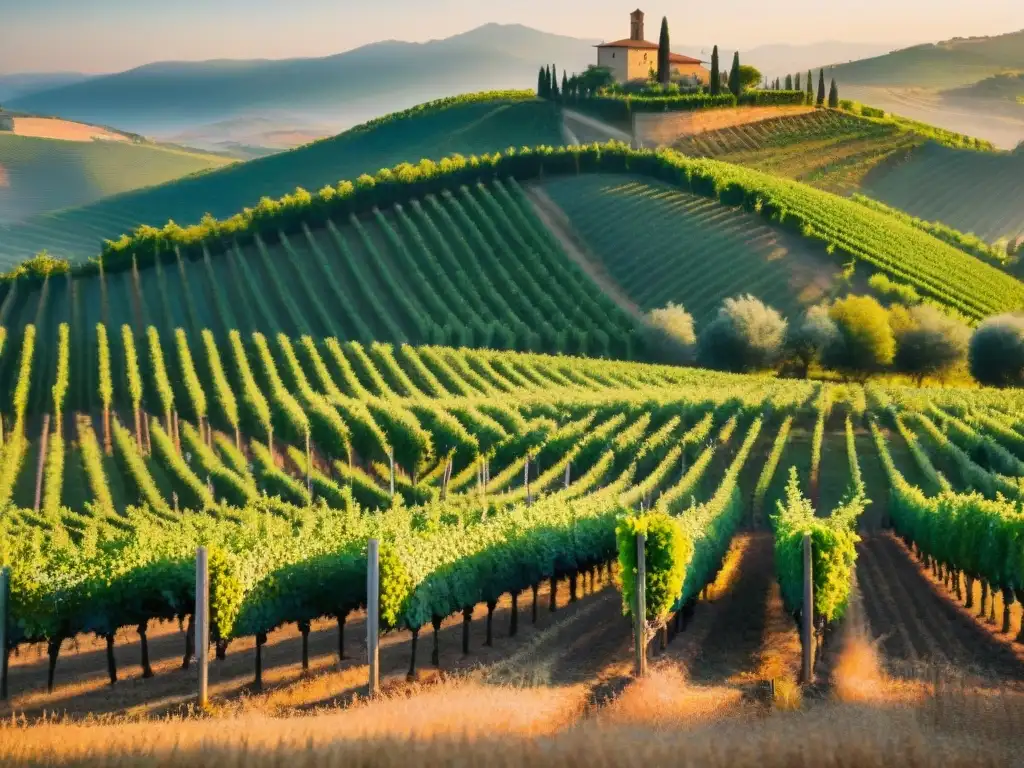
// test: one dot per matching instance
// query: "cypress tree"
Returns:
(716, 78)
(554, 81)
(734, 75)
(797, 86)
(540, 83)
(565, 84)
(833, 95)
(789, 82)
(810, 87)
(821, 88)
(664, 69)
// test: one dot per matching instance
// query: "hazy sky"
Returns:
(111, 35)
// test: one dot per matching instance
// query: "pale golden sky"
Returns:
(112, 35)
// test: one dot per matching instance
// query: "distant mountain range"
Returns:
(306, 95)
(24, 84)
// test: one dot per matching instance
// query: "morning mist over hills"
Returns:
(278, 103)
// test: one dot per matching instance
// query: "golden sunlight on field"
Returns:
(52, 128)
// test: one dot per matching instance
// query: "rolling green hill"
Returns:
(1005, 87)
(663, 245)
(471, 124)
(42, 175)
(952, 63)
(898, 163)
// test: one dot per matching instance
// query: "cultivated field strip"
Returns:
(279, 453)
(468, 125)
(974, 192)
(472, 267)
(827, 149)
(692, 250)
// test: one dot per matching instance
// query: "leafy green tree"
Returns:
(749, 77)
(716, 75)
(664, 70)
(807, 340)
(594, 79)
(996, 352)
(928, 342)
(670, 333)
(821, 88)
(833, 95)
(789, 82)
(866, 343)
(746, 335)
(734, 75)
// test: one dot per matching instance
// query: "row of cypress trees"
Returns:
(547, 82)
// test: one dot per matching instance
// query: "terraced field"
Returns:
(971, 191)
(468, 126)
(830, 150)
(39, 175)
(660, 244)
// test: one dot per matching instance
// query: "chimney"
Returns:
(636, 25)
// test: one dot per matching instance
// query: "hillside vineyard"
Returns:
(482, 472)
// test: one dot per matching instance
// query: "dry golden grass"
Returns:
(53, 128)
(460, 725)
(664, 701)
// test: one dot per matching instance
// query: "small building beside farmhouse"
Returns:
(634, 57)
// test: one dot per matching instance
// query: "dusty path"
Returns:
(919, 627)
(591, 129)
(554, 218)
(576, 642)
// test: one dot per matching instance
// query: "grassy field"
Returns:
(474, 127)
(660, 245)
(41, 175)
(968, 190)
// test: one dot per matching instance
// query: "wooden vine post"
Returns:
(640, 607)
(807, 615)
(202, 623)
(373, 615)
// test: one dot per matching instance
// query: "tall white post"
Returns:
(807, 658)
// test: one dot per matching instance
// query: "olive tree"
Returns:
(809, 337)
(670, 333)
(865, 343)
(996, 352)
(746, 335)
(928, 342)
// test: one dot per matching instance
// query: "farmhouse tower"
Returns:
(633, 59)
(636, 25)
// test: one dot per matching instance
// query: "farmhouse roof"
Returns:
(646, 45)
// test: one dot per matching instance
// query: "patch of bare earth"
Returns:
(554, 218)
(53, 128)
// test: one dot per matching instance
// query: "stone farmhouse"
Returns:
(634, 57)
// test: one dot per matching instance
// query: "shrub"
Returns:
(746, 335)
(996, 353)
(670, 333)
(808, 339)
(865, 343)
(928, 342)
